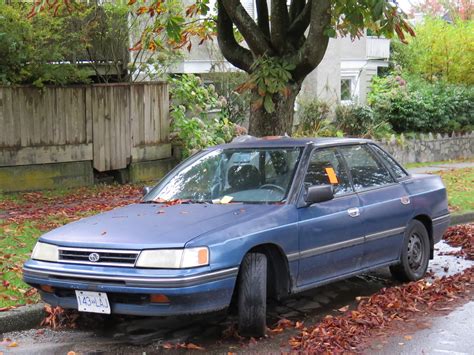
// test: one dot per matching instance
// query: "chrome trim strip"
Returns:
(441, 217)
(135, 281)
(331, 247)
(97, 263)
(345, 244)
(118, 251)
(293, 256)
(383, 234)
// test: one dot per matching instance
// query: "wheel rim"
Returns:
(415, 252)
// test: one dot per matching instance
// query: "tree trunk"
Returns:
(279, 121)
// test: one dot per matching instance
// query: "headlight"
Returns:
(45, 252)
(174, 258)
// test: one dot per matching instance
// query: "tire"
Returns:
(252, 295)
(415, 254)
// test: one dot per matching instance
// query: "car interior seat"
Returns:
(243, 177)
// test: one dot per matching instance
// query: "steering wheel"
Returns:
(272, 186)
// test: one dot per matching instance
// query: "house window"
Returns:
(346, 90)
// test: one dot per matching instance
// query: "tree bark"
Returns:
(280, 121)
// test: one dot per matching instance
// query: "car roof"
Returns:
(283, 142)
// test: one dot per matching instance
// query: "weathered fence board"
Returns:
(112, 125)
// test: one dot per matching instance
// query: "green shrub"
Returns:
(237, 106)
(441, 50)
(197, 119)
(314, 119)
(31, 50)
(360, 121)
(414, 105)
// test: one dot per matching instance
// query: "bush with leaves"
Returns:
(197, 120)
(39, 50)
(237, 106)
(360, 121)
(411, 104)
(314, 119)
(441, 50)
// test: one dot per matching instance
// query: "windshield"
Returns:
(259, 175)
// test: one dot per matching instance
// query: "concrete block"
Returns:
(46, 176)
(152, 170)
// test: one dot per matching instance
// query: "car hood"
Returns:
(146, 226)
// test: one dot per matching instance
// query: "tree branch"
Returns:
(262, 17)
(231, 50)
(301, 22)
(252, 34)
(312, 52)
(296, 7)
(280, 21)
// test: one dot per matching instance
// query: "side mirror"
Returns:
(319, 193)
(146, 190)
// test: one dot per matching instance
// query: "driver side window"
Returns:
(325, 168)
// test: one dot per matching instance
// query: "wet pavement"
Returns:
(450, 334)
(134, 335)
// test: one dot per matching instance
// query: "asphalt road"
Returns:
(135, 335)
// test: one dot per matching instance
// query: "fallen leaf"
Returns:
(194, 347)
(13, 344)
(343, 309)
(408, 337)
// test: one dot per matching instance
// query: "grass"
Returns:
(16, 243)
(423, 164)
(460, 186)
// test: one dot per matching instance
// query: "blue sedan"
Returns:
(243, 222)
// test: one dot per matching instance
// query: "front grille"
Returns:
(98, 256)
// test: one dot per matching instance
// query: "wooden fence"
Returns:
(110, 124)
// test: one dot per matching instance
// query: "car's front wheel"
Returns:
(252, 295)
(415, 254)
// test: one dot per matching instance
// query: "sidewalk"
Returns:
(433, 168)
(450, 334)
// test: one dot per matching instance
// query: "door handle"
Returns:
(353, 212)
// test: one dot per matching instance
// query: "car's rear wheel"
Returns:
(415, 254)
(252, 295)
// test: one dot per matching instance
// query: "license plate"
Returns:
(95, 302)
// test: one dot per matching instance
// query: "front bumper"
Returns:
(190, 291)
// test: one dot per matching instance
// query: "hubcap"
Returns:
(415, 252)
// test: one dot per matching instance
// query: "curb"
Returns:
(30, 316)
(21, 318)
(462, 218)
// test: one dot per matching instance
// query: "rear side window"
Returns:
(325, 167)
(366, 170)
(396, 168)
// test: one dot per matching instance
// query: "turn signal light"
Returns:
(158, 298)
(47, 288)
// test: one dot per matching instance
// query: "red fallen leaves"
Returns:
(189, 346)
(346, 332)
(461, 236)
(57, 317)
(281, 325)
(47, 210)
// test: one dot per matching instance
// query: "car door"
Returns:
(330, 237)
(385, 205)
